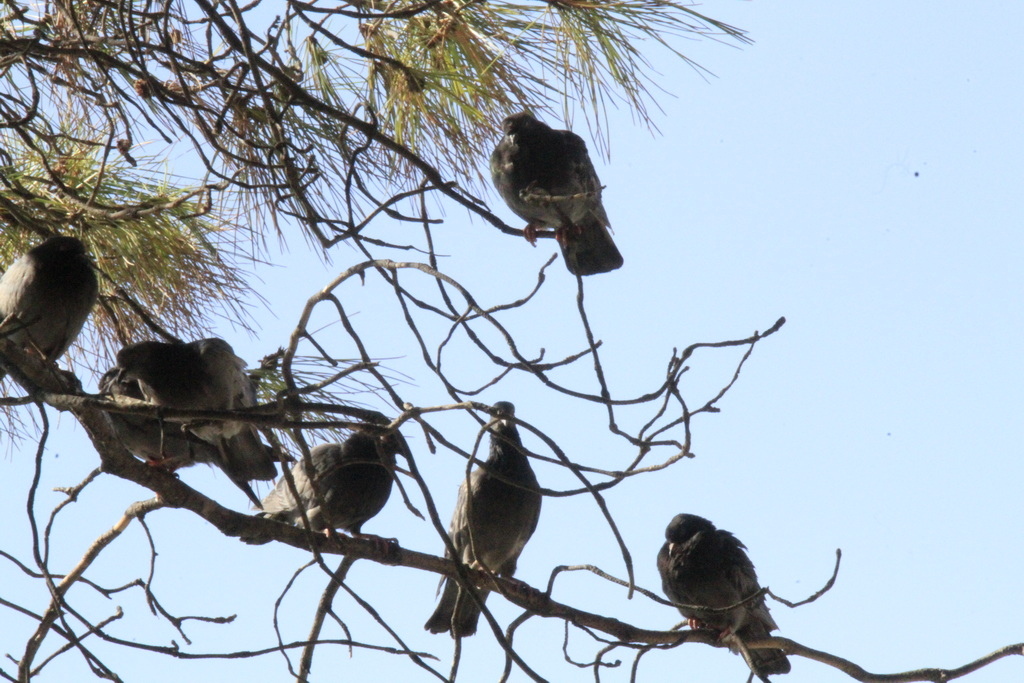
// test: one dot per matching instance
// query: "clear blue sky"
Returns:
(857, 170)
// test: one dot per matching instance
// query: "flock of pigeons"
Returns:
(547, 178)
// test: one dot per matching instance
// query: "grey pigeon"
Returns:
(46, 296)
(203, 375)
(494, 517)
(546, 178)
(354, 480)
(162, 443)
(158, 442)
(702, 566)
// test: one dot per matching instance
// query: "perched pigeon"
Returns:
(546, 177)
(354, 480)
(702, 566)
(48, 294)
(160, 443)
(203, 375)
(495, 517)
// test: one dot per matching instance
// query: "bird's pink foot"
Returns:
(567, 232)
(521, 587)
(387, 546)
(530, 232)
(168, 465)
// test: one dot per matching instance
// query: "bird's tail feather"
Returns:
(588, 249)
(246, 457)
(456, 612)
(762, 662)
(243, 458)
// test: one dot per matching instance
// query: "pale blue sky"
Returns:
(857, 170)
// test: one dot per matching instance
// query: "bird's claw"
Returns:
(521, 587)
(168, 466)
(388, 547)
(696, 624)
(566, 232)
(530, 232)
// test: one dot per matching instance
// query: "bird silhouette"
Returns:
(495, 515)
(203, 375)
(46, 296)
(354, 480)
(703, 567)
(546, 178)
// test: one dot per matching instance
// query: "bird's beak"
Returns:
(398, 444)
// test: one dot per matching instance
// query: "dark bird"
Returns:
(158, 442)
(203, 375)
(46, 296)
(546, 178)
(353, 478)
(495, 517)
(702, 566)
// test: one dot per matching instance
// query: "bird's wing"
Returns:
(15, 289)
(458, 530)
(743, 578)
(230, 387)
(281, 500)
(583, 178)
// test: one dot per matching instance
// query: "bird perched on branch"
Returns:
(353, 479)
(546, 178)
(203, 375)
(703, 567)
(162, 443)
(158, 442)
(46, 296)
(495, 515)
